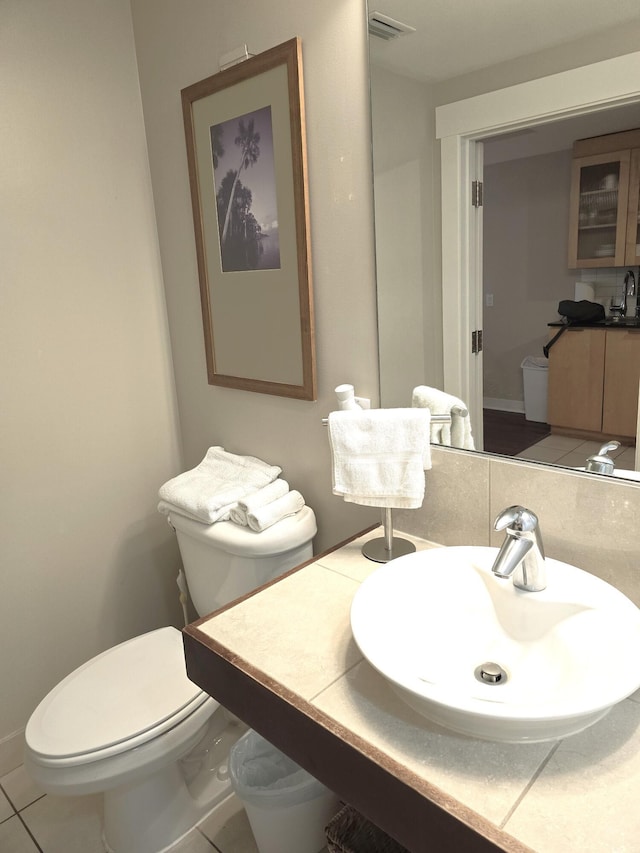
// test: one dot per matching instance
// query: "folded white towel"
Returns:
(456, 434)
(166, 508)
(380, 455)
(264, 496)
(209, 491)
(264, 516)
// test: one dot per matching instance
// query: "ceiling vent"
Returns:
(387, 28)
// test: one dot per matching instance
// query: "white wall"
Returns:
(89, 416)
(407, 247)
(179, 44)
(88, 419)
(525, 234)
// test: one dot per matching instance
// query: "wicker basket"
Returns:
(350, 832)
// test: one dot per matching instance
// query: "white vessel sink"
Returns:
(430, 621)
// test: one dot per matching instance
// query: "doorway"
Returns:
(573, 94)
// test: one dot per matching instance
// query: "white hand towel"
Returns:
(265, 516)
(380, 455)
(456, 434)
(208, 491)
(166, 508)
(255, 500)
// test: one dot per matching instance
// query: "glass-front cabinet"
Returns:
(604, 230)
(633, 218)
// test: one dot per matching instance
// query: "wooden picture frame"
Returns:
(246, 152)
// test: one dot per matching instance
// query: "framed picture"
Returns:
(246, 153)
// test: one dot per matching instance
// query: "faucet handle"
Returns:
(518, 518)
(608, 447)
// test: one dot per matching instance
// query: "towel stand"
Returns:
(435, 419)
(388, 547)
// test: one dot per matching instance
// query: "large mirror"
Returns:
(452, 53)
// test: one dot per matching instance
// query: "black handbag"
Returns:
(580, 313)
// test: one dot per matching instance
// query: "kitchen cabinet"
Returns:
(604, 226)
(621, 376)
(594, 375)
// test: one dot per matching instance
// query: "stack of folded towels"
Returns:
(228, 487)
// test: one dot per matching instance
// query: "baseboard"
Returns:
(11, 752)
(498, 405)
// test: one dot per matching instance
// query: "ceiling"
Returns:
(442, 48)
(455, 37)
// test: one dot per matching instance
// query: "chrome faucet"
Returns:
(521, 553)
(628, 289)
(601, 462)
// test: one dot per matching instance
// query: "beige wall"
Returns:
(90, 423)
(88, 416)
(89, 419)
(526, 211)
(588, 520)
(407, 244)
(606, 44)
(179, 44)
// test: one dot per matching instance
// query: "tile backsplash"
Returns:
(589, 520)
(603, 285)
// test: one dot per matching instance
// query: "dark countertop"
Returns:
(627, 323)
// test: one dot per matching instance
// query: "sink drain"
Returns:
(490, 673)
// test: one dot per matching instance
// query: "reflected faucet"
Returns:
(628, 289)
(521, 553)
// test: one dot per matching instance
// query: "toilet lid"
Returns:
(119, 699)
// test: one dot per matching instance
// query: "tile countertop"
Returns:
(284, 660)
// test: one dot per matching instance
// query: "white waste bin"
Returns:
(535, 378)
(288, 809)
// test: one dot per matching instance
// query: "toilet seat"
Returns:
(124, 697)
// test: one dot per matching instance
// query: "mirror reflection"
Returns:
(529, 208)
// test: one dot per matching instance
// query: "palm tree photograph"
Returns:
(246, 196)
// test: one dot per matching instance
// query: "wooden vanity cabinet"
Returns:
(593, 383)
(604, 230)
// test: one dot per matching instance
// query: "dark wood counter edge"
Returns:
(418, 815)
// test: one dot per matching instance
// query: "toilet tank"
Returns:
(224, 561)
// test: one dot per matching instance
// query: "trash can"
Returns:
(288, 809)
(535, 378)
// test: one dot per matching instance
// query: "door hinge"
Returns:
(476, 193)
(476, 342)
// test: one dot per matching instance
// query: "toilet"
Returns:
(129, 723)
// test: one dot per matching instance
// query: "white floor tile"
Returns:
(6, 810)
(228, 828)
(14, 838)
(626, 459)
(20, 788)
(195, 842)
(541, 453)
(575, 459)
(561, 442)
(66, 824)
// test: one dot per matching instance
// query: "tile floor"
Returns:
(32, 822)
(574, 452)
